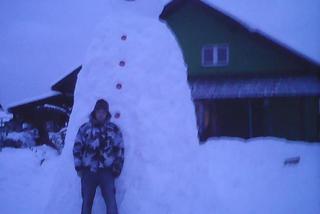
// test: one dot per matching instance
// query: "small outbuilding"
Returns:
(48, 114)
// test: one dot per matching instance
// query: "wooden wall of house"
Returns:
(294, 118)
(195, 26)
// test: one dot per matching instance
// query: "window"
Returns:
(215, 55)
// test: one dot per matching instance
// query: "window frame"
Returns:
(215, 60)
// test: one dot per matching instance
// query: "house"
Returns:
(48, 113)
(244, 84)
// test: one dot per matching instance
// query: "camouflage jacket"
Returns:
(98, 146)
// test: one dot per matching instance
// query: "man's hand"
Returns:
(117, 167)
(80, 173)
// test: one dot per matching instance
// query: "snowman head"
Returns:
(151, 8)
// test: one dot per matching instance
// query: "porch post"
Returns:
(250, 118)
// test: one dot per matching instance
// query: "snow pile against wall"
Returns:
(252, 176)
(22, 139)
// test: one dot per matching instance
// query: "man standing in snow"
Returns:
(98, 157)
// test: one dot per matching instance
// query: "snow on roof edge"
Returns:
(263, 33)
(31, 99)
(53, 82)
(295, 51)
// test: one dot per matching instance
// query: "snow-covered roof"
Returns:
(293, 24)
(32, 99)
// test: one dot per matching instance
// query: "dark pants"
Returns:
(89, 182)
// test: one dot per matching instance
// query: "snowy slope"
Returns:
(236, 176)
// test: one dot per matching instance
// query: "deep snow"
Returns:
(24, 181)
(237, 176)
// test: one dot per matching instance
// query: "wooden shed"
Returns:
(48, 113)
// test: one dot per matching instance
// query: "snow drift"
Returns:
(236, 176)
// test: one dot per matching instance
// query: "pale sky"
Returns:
(41, 41)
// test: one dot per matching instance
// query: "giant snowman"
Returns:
(134, 63)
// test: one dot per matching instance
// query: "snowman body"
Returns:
(135, 64)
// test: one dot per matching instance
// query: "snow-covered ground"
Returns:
(236, 176)
(25, 176)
